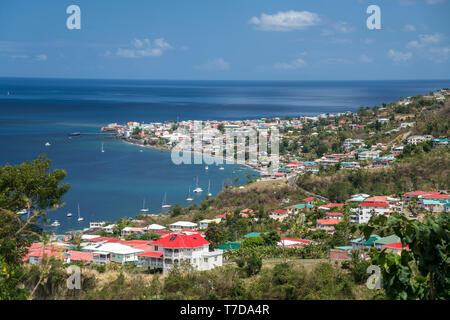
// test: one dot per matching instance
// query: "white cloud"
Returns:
(286, 21)
(19, 57)
(409, 28)
(143, 48)
(217, 64)
(338, 27)
(369, 41)
(398, 56)
(295, 64)
(434, 1)
(41, 57)
(365, 59)
(425, 40)
(438, 55)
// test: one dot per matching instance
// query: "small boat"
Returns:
(164, 204)
(103, 150)
(221, 168)
(69, 214)
(209, 187)
(79, 217)
(189, 198)
(198, 189)
(55, 223)
(144, 209)
(206, 168)
(21, 212)
(74, 134)
(141, 150)
(47, 144)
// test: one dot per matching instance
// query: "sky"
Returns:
(226, 39)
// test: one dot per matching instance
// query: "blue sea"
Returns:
(113, 184)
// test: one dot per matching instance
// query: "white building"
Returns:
(366, 155)
(365, 210)
(419, 138)
(183, 225)
(177, 247)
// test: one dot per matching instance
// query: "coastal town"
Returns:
(319, 225)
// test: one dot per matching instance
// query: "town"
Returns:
(338, 176)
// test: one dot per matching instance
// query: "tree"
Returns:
(29, 186)
(252, 242)
(271, 238)
(33, 187)
(215, 235)
(422, 272)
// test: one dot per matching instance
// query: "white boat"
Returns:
(103, 150)
(189, 198)
(69, 214)
(221, 168)
(79, 217)
(209, 187)
(144, 209)
(141, 150)
(164, 204)
(47, 144)
(198, 189)
(206, 168)
(55, 223)
(21, 212)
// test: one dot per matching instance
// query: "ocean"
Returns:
(114, 184)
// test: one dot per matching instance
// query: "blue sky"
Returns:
(227, 39)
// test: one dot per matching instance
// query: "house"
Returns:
(176, 247)
(290, 243)
(379, 243)
(154, 227)
(408, 196)
(434, 203)
(418, 139)
(37, 251)
(329, 206)
(327, 224)
(109, 228)
(279, 214)
(368, 154)
(362, 243)
(360, 197)
(206, 222)
(114, 251)
(366, 210)
(79, 256)
(245, 213)
(440, 142)
(296, 209)
(396, 247)
(131, 230)
(96, 225)
(309, 200)
(335, 215)
(186, 225)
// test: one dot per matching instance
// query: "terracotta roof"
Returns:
(396, 245)
(80, 255)
(330, 221)
(436, 196)
(373, 204)
(308, 199)
(177, 240)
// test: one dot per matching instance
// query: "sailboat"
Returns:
(69, 214)
(189, 198)
(164, 204)
(79, 217)
(198, 189)
(47, 144)
(221, 168)
(144, 209)
(209, 187)
(206, 168)
(55, 223)
(103, 150)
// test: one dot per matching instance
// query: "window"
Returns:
(215, 258)
(156, 248)
(206, 259)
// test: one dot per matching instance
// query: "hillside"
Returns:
(422, 171)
